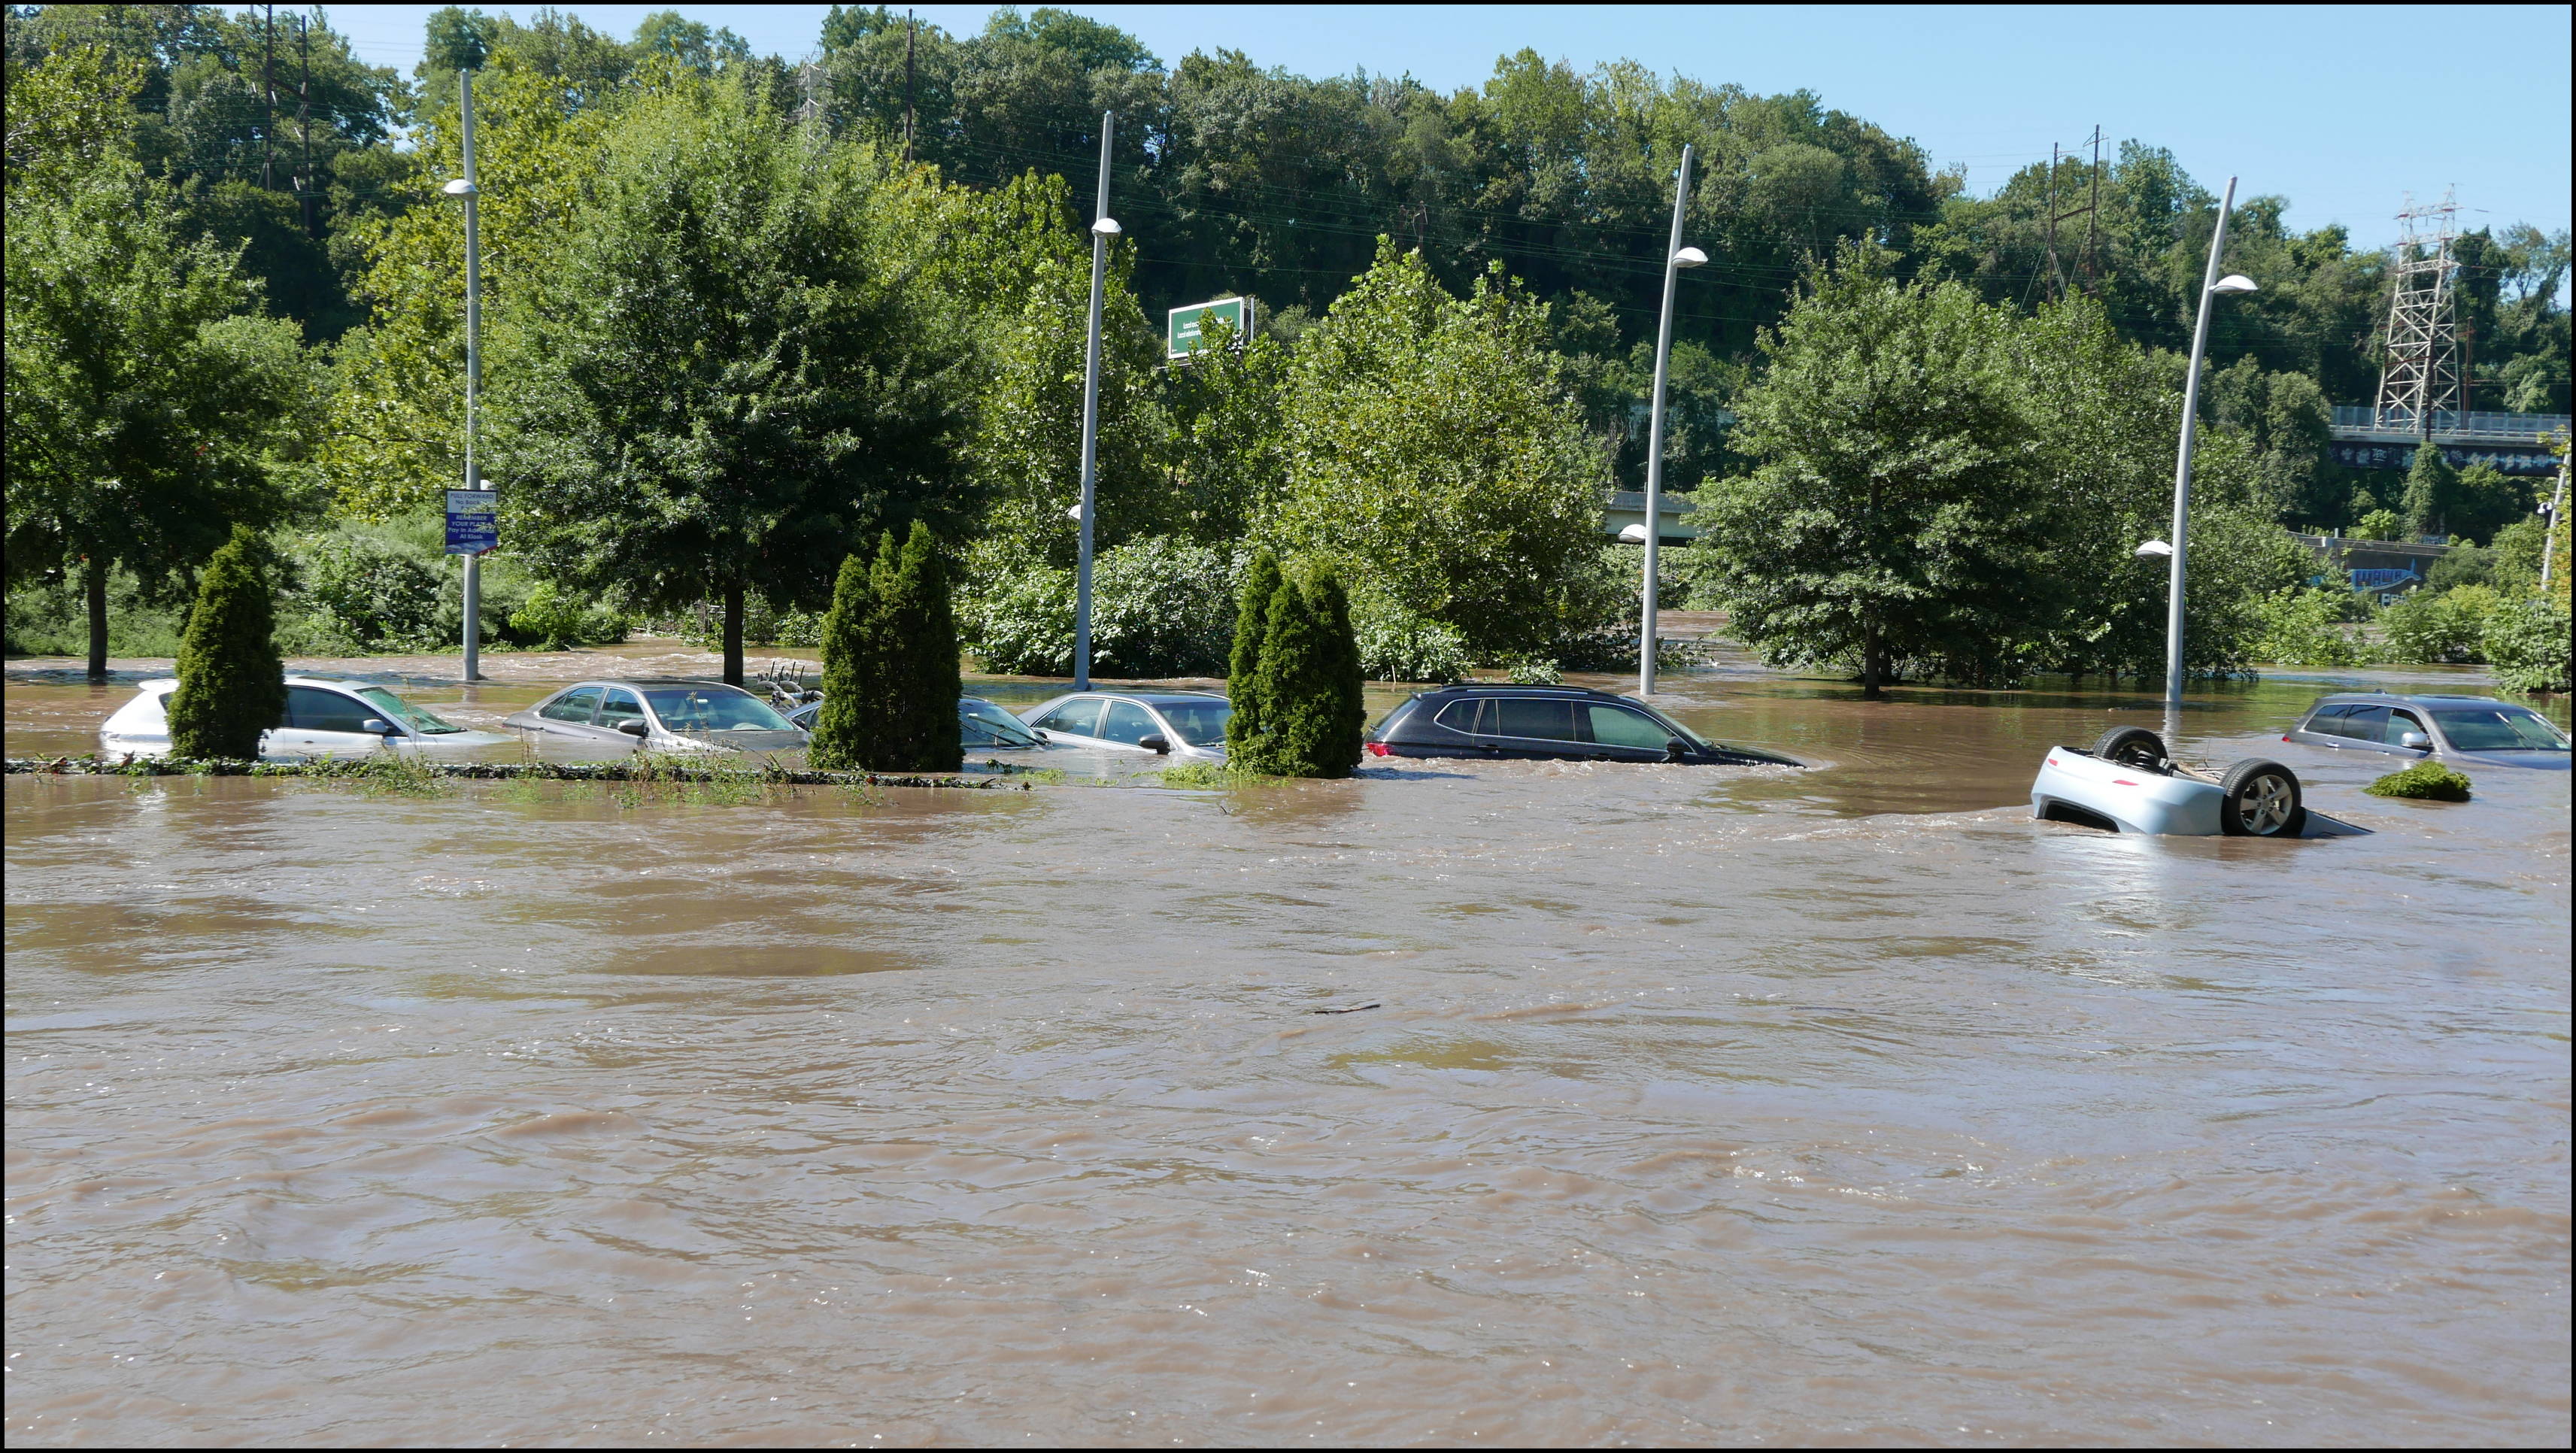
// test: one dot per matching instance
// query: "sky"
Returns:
(2339, 109)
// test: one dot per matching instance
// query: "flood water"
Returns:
(1671, 1104)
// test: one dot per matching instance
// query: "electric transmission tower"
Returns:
(2421, 378)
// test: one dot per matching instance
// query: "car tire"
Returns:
(2134, 747)
(2261, 799)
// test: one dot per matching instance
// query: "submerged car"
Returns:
(1185, 724)
(1548, 723)
(662, 714)
(982, 726)
(2128, 782)
(325, 717)
(2478, 730)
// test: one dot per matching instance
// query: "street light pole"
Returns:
(2211, 285)
(464, 187)
(1676, 257)
(1102, 229)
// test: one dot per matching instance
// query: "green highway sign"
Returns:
(1184, 337)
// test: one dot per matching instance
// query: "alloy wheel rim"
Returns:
(2267, 808)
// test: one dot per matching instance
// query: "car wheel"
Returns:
(2133, 747)
(2261, 800)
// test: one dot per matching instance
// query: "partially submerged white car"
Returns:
(2128, 782)
(324, 717)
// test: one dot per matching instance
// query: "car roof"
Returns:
(2428, 698)
(1149, 697)
(1506, 688)
(644, 681)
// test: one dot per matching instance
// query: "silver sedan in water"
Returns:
(661, 714)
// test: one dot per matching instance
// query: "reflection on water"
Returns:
(1695, 1104)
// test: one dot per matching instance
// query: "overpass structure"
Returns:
(2368, 438)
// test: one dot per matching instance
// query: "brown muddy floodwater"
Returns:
(1672, 1104)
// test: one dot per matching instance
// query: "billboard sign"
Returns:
(473, 521)
(1184, 334)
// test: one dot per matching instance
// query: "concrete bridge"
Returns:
(2511, 443)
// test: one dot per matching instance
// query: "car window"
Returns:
(1081, 718)
(1127, 722)
(2363, 723)
(619, 706)
(1541, 720)
(2325, 720)
(394, 708)
(312, 709)
(1460, 715)
(982, 724)
(1617, 726)
(1200, 723)
(713, 708)
(2498, 729)
(2402, 722)
(574, 705)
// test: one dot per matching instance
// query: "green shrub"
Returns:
(552, 620)
(1534, 671)
(232, 685)
(890, 680)
(378, 596)
(1398, 645)
(1160, 606)
(1246, 731)
(2380, 524)
(2445, 627)
(2427, 780)
(2299, 629)
(847, 727)
(1308, 676)
(2527, 640)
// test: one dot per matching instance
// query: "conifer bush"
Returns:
(1307, 682)
(232, 684)
(890, 677)
(846, 725)
(1244, 730)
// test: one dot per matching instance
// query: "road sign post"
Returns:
(1184, 332)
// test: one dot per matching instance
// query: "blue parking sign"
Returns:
(473, 521)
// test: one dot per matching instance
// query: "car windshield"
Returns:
(2499, 729)
(1200, 723)
(1683, 732)
(714, 709)
(404, 712)
(995, 723)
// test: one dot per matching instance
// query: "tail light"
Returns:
(1378, 749)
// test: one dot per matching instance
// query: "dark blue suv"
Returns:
(1548, 723)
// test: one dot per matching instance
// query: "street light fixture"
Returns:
(2211, 285)
(1103, 227)
(2154, 549)
(1676, 258)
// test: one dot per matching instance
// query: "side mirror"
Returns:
(379, 726)
(1040, 734)
(1676, 749)
(2415, 742)
(632, 728)
(1156, 743)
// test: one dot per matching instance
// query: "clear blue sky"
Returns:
(2341, 109)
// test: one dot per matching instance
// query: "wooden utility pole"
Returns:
(268, 93)
(304, 124)
(2056, 274)
(2092, 209)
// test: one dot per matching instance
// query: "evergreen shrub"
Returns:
(1246, 729)
(232, 684)
(848, 725)
(890, 677)
(1307, 682)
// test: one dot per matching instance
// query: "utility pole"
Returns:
(2211, 285)
(910, 30)
(2057, 275)
(268, 94)
(2557, 512)
(2092, 210)
(464, 187)
(1676, 257)
(304, 123)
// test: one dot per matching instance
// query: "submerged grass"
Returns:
(2426, 781)
(1205, 775)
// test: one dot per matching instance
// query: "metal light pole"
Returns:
(463, 187)
(1102, 229)
(2211, 285)
(1676, 257)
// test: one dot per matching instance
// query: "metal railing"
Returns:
(2450, 424)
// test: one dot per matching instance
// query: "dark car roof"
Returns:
(1505, 688)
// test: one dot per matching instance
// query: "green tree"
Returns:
(147, 401)
(232, 683)
(2485, 499)
(1247, 730)
(1435, 459)
(919, 628)
(719, 387)
(2432, 489)
(2527, 639)
(850, 727)
(1891, 514)
(1309, 681)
